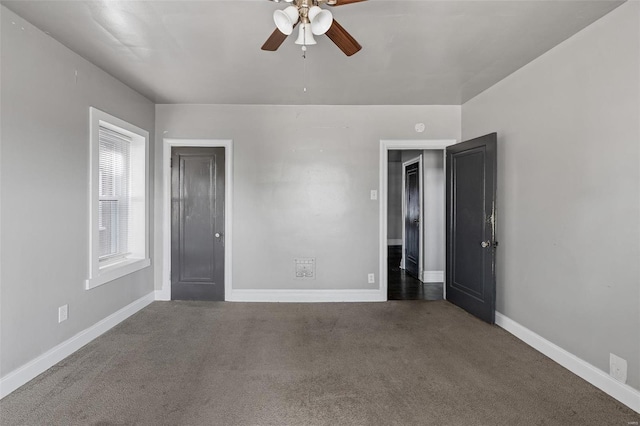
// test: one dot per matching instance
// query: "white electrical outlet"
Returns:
(374, 194)
(618, 368)
(371, 278)
(63, 313)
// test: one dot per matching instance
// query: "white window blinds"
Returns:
(114, 189)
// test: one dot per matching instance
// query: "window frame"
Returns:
(102, 272)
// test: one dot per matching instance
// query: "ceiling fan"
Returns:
(313, 21)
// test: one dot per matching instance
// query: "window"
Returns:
(113, 194)
(119, 234)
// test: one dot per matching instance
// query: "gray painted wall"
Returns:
(434, 232)
(394, 201)
(409, 154)
(44, 171)
(569, 190)
(302, 180)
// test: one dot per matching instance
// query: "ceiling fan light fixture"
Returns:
(311, 20)
(286, 19)
(305, 36)
(321, 20)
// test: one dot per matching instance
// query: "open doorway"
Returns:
(395, 156)
(470, 170)
(415, 224)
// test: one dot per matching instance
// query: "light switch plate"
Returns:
(374, 194)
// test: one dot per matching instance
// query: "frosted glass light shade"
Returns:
(286, 19)
(321, 20)
(305, 36)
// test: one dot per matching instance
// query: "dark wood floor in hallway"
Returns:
(402, 286)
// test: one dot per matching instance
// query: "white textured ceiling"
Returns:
(417, 52)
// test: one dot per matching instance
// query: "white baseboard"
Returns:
(306, 296)
(432, 276)
(33, 368)
(394, 242)
(598, 378)
(163, 294)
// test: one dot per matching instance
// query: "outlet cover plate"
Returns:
(618, 368)
(63, 313)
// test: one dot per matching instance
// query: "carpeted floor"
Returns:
(394, 363)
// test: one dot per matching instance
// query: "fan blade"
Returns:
(343, 39)
(274, 41)
(343, 2)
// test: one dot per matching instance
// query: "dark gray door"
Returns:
(471, 208)
(412, 219)
(197, 224)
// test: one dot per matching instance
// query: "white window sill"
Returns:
(115, 271)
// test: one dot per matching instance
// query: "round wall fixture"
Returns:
(420, 127)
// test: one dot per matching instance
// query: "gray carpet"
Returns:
(394, 363)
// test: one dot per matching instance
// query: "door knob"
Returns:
(217, 235)
(485, 244)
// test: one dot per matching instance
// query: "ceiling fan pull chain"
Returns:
(304, 69)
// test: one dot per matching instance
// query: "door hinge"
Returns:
(170, 162)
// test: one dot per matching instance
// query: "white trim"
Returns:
(116, 271)
(306, 296)
(432, 276)
(598, 378)
(33, 368)
(140, 154)
(406, 164)
(385, 146)
(394, 242)
(165, 292)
